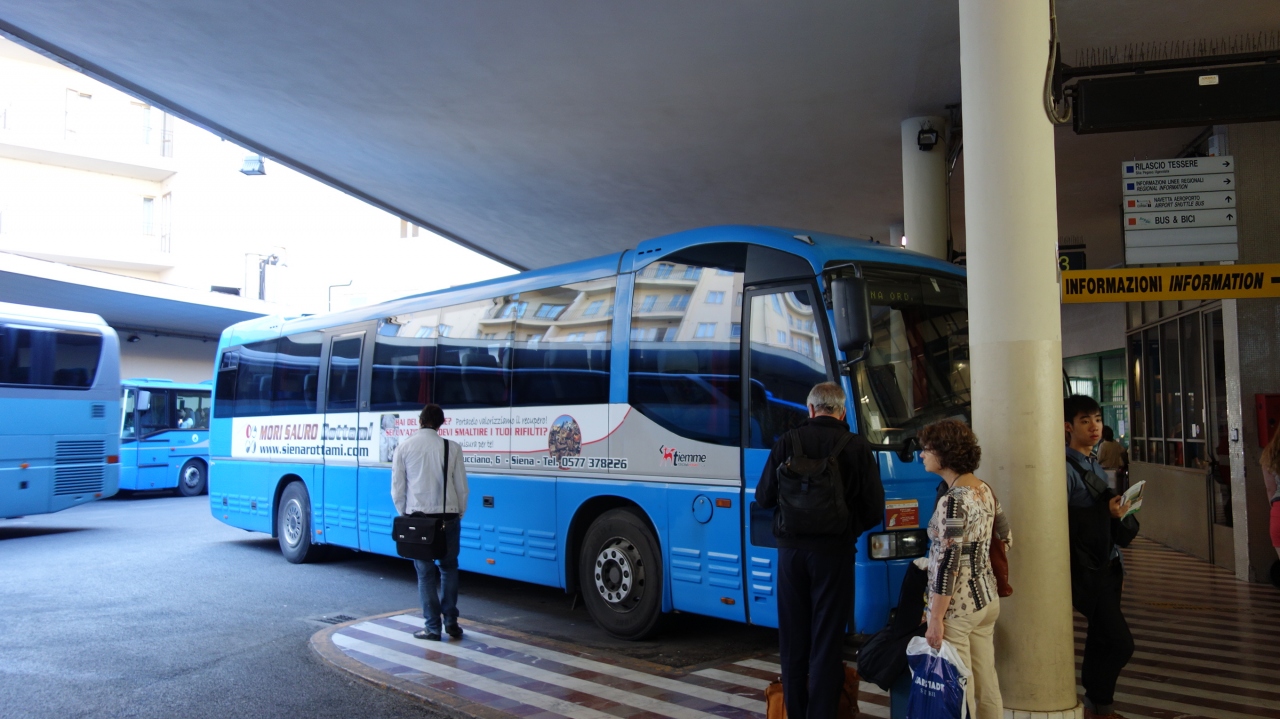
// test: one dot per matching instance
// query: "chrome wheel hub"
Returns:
(619, 574)
(293, 523)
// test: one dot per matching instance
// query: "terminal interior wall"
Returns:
(175, 358)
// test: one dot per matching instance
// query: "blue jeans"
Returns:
(437, 600)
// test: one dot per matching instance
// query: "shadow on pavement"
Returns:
(21, 532)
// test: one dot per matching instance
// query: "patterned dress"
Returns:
(960, 548)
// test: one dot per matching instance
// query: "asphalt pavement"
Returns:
(146, 606)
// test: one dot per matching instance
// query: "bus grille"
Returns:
(77, 480)
(98, 411)
(80, 451)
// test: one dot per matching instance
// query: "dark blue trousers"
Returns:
(815, 591)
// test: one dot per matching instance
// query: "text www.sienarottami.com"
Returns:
(314, 450)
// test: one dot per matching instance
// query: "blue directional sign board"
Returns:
(1179, 210)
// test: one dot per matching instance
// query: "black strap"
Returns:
(444, 491)
(793, 441)
(1097, 487)
(841, 445)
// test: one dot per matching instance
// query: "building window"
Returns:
(678, 302)
(663, 271)
(705, 330)
(549, 311)
(735, 330)
(408, 229)
(514, 309)
(148, 215)
(715, 298)
(776, 303)
(166, 135)
(577, 337)
(444, 330)
(724, 273)
(534, 337)
(144, 122)
(593, 309)
(737, 302)
(692, 273)
(782, 335)
(77, 113)
(649, 302)
(602, 335)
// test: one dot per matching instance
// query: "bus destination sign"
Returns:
(1214, 282)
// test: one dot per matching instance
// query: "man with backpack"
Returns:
(824, 483)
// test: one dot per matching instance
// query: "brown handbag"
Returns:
(999, 558)
(848, 708)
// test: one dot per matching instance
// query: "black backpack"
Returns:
(811, 492)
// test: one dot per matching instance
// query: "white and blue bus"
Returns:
(59, 409)
(615, 414)
(164, 435)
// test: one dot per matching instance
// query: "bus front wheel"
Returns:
(620, 573)
(192, 479)
(293, 524)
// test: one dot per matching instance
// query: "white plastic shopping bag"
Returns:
(939, 681)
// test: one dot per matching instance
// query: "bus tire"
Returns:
(193, 479)
(293, 524)
(620, 574)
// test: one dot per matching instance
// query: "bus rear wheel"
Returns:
(193, 479)
(293, 524)
(620, 573)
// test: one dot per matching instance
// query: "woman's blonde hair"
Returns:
(1271, 454)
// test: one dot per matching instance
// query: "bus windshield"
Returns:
(917, 369)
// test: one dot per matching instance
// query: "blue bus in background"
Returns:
(59, 404)
(164, 435)
(615, 414)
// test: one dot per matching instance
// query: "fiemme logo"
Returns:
(671, 456)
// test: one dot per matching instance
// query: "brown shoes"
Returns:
(1089, 714)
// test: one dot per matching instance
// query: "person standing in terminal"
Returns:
(964, 603)
(1098, 528)
(1270, 470)
(419, 487)
(824, 482)
(1113, 458)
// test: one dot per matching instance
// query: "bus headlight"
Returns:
(898, 545)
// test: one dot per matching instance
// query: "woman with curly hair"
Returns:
(963, 599)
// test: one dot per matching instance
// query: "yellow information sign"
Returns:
(1216, 282)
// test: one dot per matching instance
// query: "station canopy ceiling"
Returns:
(543, 131)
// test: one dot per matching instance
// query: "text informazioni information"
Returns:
(1179, 210)
(1211, 282)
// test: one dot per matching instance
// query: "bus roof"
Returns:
(818, 248)
(31, 313)
(165, 383)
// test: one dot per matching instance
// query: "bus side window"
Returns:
(225, 384)
(786, 361)
(473, 355)
(296, 376)
(253, 379)
(686, 328)
(561, 348)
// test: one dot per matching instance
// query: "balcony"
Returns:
(141, 253)
(94, 153)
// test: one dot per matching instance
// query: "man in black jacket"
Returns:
(1099, 525)
(815, 571)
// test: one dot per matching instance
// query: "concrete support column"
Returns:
(1016, 340)
(924, 189)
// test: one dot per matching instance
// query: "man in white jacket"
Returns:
(418, 486)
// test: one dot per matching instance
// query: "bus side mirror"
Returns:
(144, 400)
(852, 316)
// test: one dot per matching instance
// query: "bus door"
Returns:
(342, 441)
(154, 420)
(129, 439)
(784, 359)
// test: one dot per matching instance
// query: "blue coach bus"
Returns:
(615, 414)
(164, 435)
(59, 404)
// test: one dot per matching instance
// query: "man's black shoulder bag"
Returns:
(419, 535)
